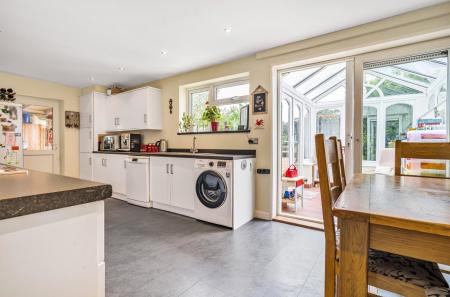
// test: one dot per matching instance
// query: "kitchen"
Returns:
(142, 145)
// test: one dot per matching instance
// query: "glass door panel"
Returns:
(404, 101)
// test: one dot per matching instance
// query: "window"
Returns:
(229, 96)
(37, 128)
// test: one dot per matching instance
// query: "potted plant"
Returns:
(212, 114)
(187, 123)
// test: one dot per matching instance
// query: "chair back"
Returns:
(420, 150)
(330, 183)
(340, 152)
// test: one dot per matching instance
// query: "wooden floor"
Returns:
(312, 206)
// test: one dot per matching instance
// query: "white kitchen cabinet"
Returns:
(160, 186)
(86, 110)
(86, 140)
(183, 182)
(99, 117)
(86, 166)
(110, 169)
(139, 109)
(172, 182)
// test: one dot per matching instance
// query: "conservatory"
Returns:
(403, 99)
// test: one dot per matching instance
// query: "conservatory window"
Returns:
(329, 122)
(369, 133)
(398, 121)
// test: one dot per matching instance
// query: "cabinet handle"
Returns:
(106, 164)
(171, 168)
(90, 161)
(167, 168)
(118, 121)
(103, 162)
(124, 163)
(145, 118)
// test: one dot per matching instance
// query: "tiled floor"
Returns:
(155, 253)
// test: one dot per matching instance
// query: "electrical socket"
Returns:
(253, 140)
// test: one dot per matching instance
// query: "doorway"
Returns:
(312, 99)
(40, 128)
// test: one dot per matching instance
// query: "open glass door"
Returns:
(312, 100)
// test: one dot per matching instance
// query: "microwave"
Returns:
(130, 142)
(109, 143)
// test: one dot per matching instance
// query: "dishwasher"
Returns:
(138, 181)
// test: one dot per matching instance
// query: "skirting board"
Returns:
(263, 215)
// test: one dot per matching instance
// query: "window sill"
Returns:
(212, 132)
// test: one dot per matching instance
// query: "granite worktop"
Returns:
(33, 192)
(201, 154)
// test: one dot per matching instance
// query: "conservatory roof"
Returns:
(326, 83)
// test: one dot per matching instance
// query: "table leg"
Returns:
(295, 197)
(303, 193)
(353, 258)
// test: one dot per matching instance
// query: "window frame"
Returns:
(212, 89)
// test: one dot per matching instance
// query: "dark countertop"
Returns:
(202, 154)
(23, 194)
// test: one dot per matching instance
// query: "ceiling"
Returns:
(84, 42)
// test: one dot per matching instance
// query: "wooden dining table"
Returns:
(405, 215)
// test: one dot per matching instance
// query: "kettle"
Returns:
(162, 144)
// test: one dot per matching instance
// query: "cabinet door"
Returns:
(86, 166)
(100, 118)
(136, 116)
(159, 180)
(98, 168)
(86, 105)
(86, 141)
(155, 109)
(116, 173)
(183, 183)
(114, 109)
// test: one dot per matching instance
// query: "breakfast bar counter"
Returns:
(51, 235)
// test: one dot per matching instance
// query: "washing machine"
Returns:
(224, 191)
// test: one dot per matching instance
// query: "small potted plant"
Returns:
(187, 123)
(212, 114)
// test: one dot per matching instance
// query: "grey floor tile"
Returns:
(150, 252)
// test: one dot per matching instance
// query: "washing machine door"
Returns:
(211, 189)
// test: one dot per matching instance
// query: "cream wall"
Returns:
(413, 27)
(69, 100)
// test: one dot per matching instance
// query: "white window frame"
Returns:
(212, 93)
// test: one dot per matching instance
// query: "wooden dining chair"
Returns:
(340, 156)
(402, 275)
(420, 150)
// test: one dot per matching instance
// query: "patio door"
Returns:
(406, 98)
(312, 99)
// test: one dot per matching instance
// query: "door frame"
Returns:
(55, 104)
(347, 125)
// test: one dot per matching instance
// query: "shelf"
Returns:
(216, 132)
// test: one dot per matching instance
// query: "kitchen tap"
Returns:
(194, 148)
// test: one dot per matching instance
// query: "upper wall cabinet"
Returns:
(138, 109)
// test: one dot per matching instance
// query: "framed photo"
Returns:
(259, 101)
(72, 119)
(243, 122)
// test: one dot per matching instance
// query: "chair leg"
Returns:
(330, 273)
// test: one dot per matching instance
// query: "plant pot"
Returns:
(214, 126)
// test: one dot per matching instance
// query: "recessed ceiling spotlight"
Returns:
(163, 53)
(227, 29)
(121, 68)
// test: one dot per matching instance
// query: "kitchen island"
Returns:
(51, 235)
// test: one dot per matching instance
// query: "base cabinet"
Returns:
(172, 182)
(86, 166)
(110, 169)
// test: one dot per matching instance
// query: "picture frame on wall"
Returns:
(244, 118)
(259, 100)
